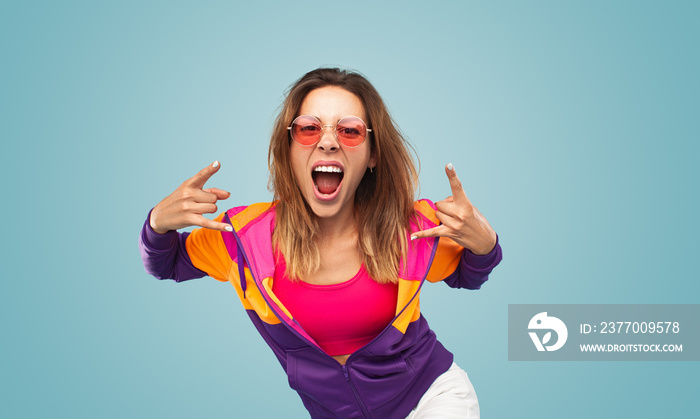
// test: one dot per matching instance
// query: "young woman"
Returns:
(330, 272)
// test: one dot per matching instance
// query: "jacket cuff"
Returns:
(483, 262)
(156, 241)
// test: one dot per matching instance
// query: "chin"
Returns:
(325, 210)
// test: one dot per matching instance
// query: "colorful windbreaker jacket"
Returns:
(384, 379)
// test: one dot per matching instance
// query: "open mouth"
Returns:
(327, 178)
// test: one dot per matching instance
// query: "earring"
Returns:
(370, 170)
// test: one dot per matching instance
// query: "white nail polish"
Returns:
(216, 164)
(229, 229)
(450, 167)
(413, 237)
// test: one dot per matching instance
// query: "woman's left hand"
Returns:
(461, 221)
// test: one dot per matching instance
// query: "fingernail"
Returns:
(450, 167)
(413, 237)
(229, 229)
(216, 164)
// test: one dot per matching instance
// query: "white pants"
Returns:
(450, 396)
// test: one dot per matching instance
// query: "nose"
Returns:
(328, 141)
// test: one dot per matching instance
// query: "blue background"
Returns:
(573, 126)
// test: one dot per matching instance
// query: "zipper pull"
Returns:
(345, 372)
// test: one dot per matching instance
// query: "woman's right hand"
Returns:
(185, 206)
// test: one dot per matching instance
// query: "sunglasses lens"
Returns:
(306, 130)
(351, 131)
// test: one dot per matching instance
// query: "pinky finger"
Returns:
(214, 225)
(438, 231)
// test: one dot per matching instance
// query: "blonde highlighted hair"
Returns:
(384, 198)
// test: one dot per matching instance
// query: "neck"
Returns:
(341, 226)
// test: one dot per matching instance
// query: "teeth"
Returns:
(334, 169)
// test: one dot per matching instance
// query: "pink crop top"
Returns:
(343, 317)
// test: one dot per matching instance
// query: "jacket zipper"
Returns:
(343, 367)
(359, 400)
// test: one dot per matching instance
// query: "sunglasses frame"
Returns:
(335, 131)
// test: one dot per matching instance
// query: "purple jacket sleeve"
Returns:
(474, 270)
(164, 255)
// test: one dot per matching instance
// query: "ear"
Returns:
(372, 160)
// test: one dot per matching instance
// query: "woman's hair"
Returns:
(384, 198)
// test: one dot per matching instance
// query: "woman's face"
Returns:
(328, 173)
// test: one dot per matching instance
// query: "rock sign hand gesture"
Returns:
(461, 221)
(185, 206)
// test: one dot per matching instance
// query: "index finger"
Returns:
(198, 180)
(455, 184)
